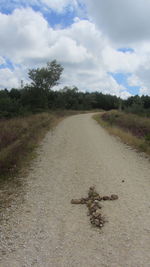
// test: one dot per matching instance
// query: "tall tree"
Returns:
(46, 78)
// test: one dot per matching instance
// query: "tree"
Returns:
(15, 93)
(8, 107)
(46, 78)
(34, 99)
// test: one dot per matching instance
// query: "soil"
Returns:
(46, 230)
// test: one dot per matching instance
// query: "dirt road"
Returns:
(47, 231)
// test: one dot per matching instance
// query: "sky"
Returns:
(103, 45)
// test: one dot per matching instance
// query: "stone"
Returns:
(89, 203)
(96, 221)
(98, 198)
(114, 197)
(93, 208)
(92, 188)
(97, 215)
(98, 211)
(106, 198)
(76, 201)
(83, 200)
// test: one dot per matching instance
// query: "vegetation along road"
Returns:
(47, 230)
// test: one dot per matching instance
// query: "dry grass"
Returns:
(19, 136)
(18, 139)
(125, 133)
(137, 125)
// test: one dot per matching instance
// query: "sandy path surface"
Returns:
(46, 230)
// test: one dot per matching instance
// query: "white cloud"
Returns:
(2, 60)
(91, 79)
(133, 80)
(73, 52)
(123, 21)
(144, 91)
(120, 62)
(141, 76)
(125, 24)
(23, 34)
(11, 78)
(7, 78)
(85, 52)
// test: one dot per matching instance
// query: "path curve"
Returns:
(46, 230)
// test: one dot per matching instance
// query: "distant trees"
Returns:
(31, 99)
(39, 96)
(34, 99)
(9, 107)
(137, 104)
(35, 96)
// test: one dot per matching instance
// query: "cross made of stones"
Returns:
(92, 201)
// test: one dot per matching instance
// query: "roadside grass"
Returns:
(131, 129)
(19, 137)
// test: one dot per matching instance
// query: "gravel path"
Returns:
(47, 231)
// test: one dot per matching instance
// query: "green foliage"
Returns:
(15, 94)
(39, 96)
(8, 107)
(46, 78)
(138, 105)
(34, 98)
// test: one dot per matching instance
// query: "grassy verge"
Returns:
(131, 129)
(19, 137)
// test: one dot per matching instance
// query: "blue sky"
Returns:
(54, 18)
(7, 64)
(122, 79)
(126, 50)
(64, 20)
(99, 51)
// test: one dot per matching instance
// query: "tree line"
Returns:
(39, 96)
